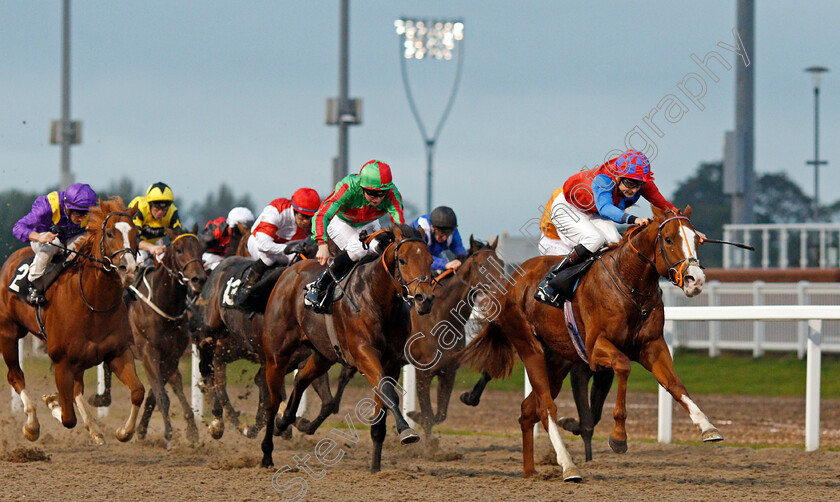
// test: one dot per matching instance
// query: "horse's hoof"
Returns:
(572, 475)
(141, 435)
(408, 436)
(97, 439)
(99, 401)
(248, 431)
(51, 400)
(217, 429)
(286, 434)
(267, 463)
(570, 424)
(529, 474)
(122, 435)
(32, 434)
(618, 446)
(305, 426)
(467, 399)
(192, 435)
(168, 444)
(712, 435)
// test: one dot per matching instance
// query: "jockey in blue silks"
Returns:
(441, 230)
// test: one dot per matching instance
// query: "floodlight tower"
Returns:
(439, 40)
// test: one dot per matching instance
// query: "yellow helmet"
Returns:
(159, 192)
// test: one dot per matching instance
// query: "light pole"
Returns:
(65, 132)
(816, 74)
(343, 111)
(436, 39)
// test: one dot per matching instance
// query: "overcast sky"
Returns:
(194, 93)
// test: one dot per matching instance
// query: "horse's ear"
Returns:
(170, 233)
(132, 211)
(243, 230)
(472, 241)
(398, 233)
(194, 228)
(687, 211)
(658, 214)
(495, 243)
(422, 233)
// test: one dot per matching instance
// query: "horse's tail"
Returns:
(490, 351)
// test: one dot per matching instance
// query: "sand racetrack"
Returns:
(478, 457)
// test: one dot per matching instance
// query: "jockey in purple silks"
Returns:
(56, 219)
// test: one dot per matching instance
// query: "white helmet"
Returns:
(241, 215)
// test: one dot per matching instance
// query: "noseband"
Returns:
(399, 283)
(676, 271)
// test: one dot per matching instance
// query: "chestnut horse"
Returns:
(158, 322)
(226, 335)
(84, 321)
(371, 324)
(620, 315)
(438, 337)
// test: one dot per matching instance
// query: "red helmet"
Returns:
(306, 201)
(634, 165)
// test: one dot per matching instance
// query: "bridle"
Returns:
(107, 261)
(676, 270)
(399, 283)
(178, 274)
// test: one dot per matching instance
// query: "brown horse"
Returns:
(439, 336)
(619, 310)
(158, 322)
(84, 321)
(226, 335)
(371, 324)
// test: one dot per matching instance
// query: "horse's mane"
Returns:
(96, 216)
(408, 231)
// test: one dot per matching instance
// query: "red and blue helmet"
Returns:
(633, 164)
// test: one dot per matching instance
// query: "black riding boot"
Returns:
(314, 299)
(549, 289)
(35, 292)
(252, 276)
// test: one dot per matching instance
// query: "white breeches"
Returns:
(45, 252)
(591, 230)
(346, 237)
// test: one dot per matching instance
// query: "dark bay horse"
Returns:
(159, 325)
(84, 320)
(619, 310)
(226, 335)
(370, 337)
(438, 337)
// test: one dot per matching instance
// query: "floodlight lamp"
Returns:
(435, 39)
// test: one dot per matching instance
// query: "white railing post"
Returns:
(758, 326)
(101, 411)
(17, 403)
(803, 248)
(714, 326)
(195, 395)
(783, 248)
(823, 261)
(666, 407)
(745, 253)
(727, 236)
(802, 326)
(410, 387)
(812, 387)
(765, 248)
